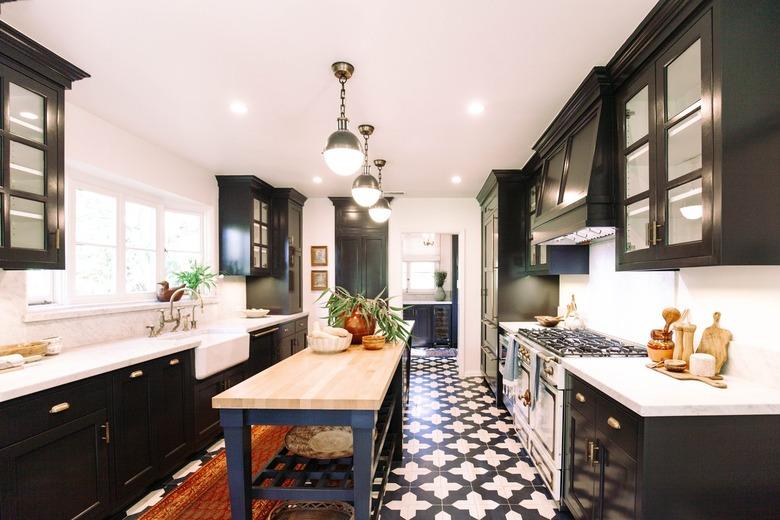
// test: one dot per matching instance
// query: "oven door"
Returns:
(546, 414)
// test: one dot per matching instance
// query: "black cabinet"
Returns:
(618, 465)
(694, 159)
(54, 458)
(432, 324)
(262, 350)
(361, 249)
(206, 417)
(32, 192)
(173, 409)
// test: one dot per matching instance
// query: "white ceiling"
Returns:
(167, 71)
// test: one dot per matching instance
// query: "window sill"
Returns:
(61, 312)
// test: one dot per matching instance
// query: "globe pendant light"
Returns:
(365, 189)
(380, 211)
(342, 153)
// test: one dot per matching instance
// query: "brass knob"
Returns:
(526, 398)
(579, 397)
(57, 408)
(174, 361)
(136, 373)
(613, 423)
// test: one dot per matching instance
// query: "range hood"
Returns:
(576, 193)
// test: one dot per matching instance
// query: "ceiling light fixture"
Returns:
(239, 108)
(342, 152)
(456, 179)
(28, 115)
(317, 180)
(380, 212)
(365, 189)
(475, 108)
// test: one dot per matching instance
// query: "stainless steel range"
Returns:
(536, 399)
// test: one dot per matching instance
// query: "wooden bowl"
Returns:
(373, 342)
(548, 321)
(320, 442)
(675, 365)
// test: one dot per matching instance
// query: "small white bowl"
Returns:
(255, 313)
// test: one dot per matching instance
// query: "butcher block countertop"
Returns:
(355, 379)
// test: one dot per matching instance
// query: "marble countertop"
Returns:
(651, 394)
(79, 363)
(512, 326)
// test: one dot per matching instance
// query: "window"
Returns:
(418, 276)
(119, 246)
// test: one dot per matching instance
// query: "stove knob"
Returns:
(549, 370)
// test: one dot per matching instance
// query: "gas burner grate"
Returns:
(565, 342)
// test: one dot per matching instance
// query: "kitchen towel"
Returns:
(509, 367)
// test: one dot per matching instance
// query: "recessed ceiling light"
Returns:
(237, 107)
(317, 180)
(28, 115)
(475, 108)
(456, 179)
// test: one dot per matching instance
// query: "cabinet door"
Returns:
(581, 476)
(441, 324)
(206, 417)
(173, 417)
(349, 272)
(284, 347)
(295, 244)
(618, 482)
(261, 351)
(57, 475)
(374, 266)
(299, 342)
(422, 334)
(685, 144)
(132, 432)
(31, 183)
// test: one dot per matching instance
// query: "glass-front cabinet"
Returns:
(31, 182)
(261, 234)
(537, 254)
(666, 155)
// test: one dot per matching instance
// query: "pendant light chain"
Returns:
(366, 166)
(343, 108)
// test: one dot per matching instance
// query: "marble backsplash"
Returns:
(77, 331)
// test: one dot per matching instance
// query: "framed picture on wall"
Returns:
(319, 256)
(319, 280)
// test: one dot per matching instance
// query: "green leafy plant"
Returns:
(389, 320)
(197, 277)
(439, 277)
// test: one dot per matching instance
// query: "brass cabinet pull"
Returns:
(174, 361)
(613, 423)
(589, 453)
(107, 429)
(579, 397)
(57, 408)
(136, 373)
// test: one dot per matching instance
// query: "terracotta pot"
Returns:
(358, 326)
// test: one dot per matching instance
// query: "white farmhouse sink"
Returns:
(217, 350)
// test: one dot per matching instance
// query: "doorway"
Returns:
(429, 285)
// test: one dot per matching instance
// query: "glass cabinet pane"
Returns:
(638, 171)
(552, 181)
(264, 258)
(256, 256)
(26, 113)
(256, 233)
(28, 230)
(532, 199)
(637, 117)
(27, 168)
(264, 213)
(683, 144)
(542, 255)
(637, 219)
(683, 80)
(256, 210)
(684, 218)
(264, 235)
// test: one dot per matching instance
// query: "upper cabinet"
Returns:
(32, 89)
(698, 144)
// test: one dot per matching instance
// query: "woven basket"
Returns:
(312, 511)
(328, 345)
(35, 348)
(373, 342)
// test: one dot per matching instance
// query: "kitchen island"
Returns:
(358, 388)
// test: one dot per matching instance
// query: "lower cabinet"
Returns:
(431, 324)
(620, 466)
(207, 418)
(174, 404)
(262, 350)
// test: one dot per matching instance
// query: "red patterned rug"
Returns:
(204, 496)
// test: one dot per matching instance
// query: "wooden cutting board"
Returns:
(715, 341)
(687, 376)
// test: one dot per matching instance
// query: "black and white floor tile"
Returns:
(461, 458)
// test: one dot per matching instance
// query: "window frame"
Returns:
(405, 282)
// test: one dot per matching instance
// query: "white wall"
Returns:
(97, 147)
(319, 229)
(457, 216)
(629, 304)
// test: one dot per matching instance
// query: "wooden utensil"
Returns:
(687, 376)
(670, 315)
(715, 341)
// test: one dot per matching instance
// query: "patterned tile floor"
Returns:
(461, 457)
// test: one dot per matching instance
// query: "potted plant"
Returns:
(361, 316)
(197, 277)
(438, 280)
